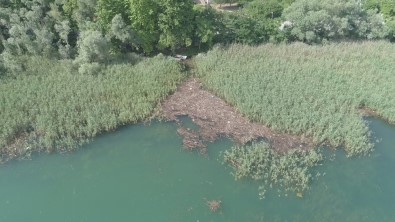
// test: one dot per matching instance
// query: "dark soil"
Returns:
(216, 118)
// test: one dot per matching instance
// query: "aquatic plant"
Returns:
(50, 106)
(213, 205)
(290, 171)
(314, 91)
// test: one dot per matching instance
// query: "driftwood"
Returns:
(216, 118)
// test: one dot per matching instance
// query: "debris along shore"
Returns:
(216, 118)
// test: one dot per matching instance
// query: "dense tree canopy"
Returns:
(162, 24)
(106, 10)
(316, 20)
(53, 27)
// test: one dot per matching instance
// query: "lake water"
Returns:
(141, 173)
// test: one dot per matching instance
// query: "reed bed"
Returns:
(288, 172)
(315, 91)
(51, 107)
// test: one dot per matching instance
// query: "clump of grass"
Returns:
(50, 106)
(314, 91)
(290, 171)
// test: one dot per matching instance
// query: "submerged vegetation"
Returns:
(289, 171)
(314, 91)
(51, 106)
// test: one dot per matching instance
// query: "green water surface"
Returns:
(141, 173)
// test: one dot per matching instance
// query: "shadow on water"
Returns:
(142, 173)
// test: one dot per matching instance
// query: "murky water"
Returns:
(141, 173)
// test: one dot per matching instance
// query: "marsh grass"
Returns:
(315, 91)
(288, 172)
(50, 106)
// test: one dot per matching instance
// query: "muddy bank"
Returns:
(216, 118)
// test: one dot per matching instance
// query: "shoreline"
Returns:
(217, 118)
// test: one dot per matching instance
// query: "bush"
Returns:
(264, 9)
(242, 28)
(92, 47)
(391, 29)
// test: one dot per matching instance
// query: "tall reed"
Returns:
(50, 106)
(288, 172)
(316, 91)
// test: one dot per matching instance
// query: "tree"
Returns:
(121, 35)
(315, 20)
(93, 52)
(207, 25)
(107, 9)
(143, 16)
(80, 11)
(242, 29)
(92, 47)
(38, 28)
(391, 29)
(162, 24)
(261, 10)
(388, 8)
(175, 22)
(372, 5)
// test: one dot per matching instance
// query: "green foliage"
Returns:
(92, 47)
(372, 5)
(106, 10)
(391, 29)
(264, 9)
(207, 24)
(51, 107)
(11, 4)
(120, 30)
(36, 29)
(121, 35)
(314, 91)
(143, 16)
(257, 22)
(387, 7)
(315, 20)
(69, 6)
(175, 23)
(242, 28)
(84, 12)
(162, 24)
(290, 171)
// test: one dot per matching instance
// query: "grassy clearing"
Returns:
(307, 90)
(52, 107)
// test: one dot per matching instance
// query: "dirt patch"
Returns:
(19, 148)
(219, 7)
(216, 118)
(368, 112)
